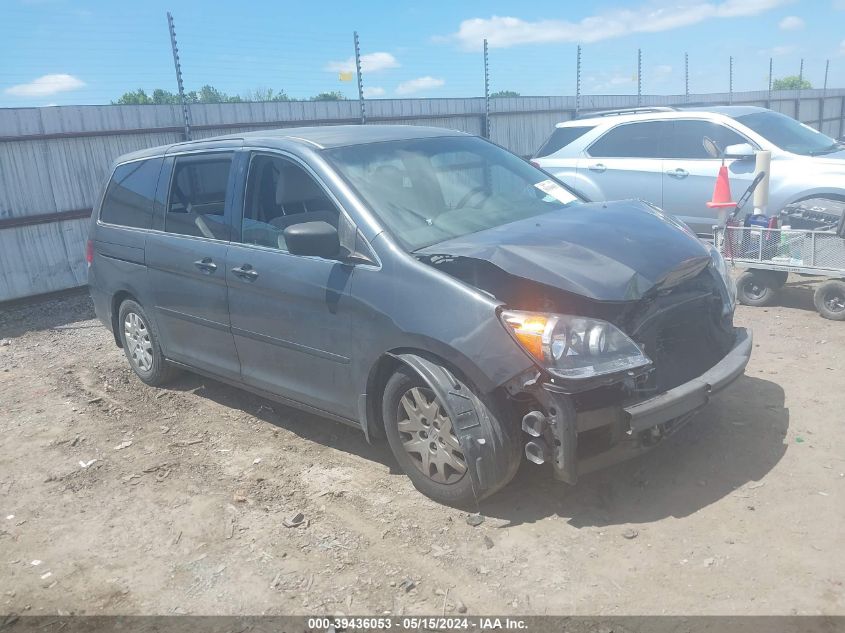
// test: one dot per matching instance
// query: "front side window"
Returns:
(687, 140)
(430, 190)
(789, 134)
(129, 197)
(198, 196)
(280, 193)
(633, 140)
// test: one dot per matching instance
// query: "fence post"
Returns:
(577, 81)
(798, 98)
(639, 77)
(730, 80)
(841, 117)
(824, 95)
(360, 78)
(686, 77)
(185, 112)
(486, 92)
(769, 97)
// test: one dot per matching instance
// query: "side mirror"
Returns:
(318, 239)
(740, 150)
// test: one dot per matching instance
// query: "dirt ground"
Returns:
(117, 498)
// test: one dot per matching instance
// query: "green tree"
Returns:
(504, 93)
(328, 96)
(792, 82)
(136, 97)
(264, 94)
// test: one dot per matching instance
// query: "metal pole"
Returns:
(185, 112)
(578, 81)
(639, 77)
(798, 99)
(731, 80)
(486, 93)
(360, 78)
(824, 96)
(686, 77)
(769, 98)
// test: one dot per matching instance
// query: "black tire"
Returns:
(151, 367)
(756, 288)
(829, 300)
(458, 492)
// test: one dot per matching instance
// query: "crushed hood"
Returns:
(606, 251)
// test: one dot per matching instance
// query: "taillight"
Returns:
(89, 252)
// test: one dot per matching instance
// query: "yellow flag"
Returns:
(345, 75)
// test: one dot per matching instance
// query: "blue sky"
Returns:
(91, 51)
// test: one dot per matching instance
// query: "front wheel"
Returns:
(829, 300)
(756, 288)
(424, 441)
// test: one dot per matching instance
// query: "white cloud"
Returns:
(839, 5)
(416, 85)
(791, 23)
(662, 70)
(778, 51)
(370, 63)
(45, 86)
(505, 31)
(842, 47)
(374, 91)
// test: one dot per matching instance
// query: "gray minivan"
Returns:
(423, 285)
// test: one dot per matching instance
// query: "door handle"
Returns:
(246, 272)
(206, 265)
(677, 173)
(599, 167)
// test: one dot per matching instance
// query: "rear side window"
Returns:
(129, 197)
(560, 138)
(688, 139)
(633, 140)
(198, 196)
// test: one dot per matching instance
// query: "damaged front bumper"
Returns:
(627, 430)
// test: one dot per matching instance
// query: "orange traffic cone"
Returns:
(722, 191)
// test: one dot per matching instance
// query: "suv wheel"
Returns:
(141, 346)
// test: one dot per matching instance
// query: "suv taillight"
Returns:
(89, 252)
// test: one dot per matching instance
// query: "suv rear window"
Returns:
(129, 197)
(560, 138)
(633, 140)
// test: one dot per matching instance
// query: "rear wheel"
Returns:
(426, 445)
(141, 345)
(829, 299)
(756, 288)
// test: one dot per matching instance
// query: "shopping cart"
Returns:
(769, 255)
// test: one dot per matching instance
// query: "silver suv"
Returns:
(659, 155)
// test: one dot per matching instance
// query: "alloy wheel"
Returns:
(137, 337)
(428, 437)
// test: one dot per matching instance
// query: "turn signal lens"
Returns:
(89, 252)
(529, 329)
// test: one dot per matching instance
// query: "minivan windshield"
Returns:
(434, 189)
(789, 134)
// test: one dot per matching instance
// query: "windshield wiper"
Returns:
(826, 150)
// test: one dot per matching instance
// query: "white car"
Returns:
(659, 155)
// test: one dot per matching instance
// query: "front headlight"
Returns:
(574, 347)
(722, 268)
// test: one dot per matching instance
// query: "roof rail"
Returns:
(624, 111)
